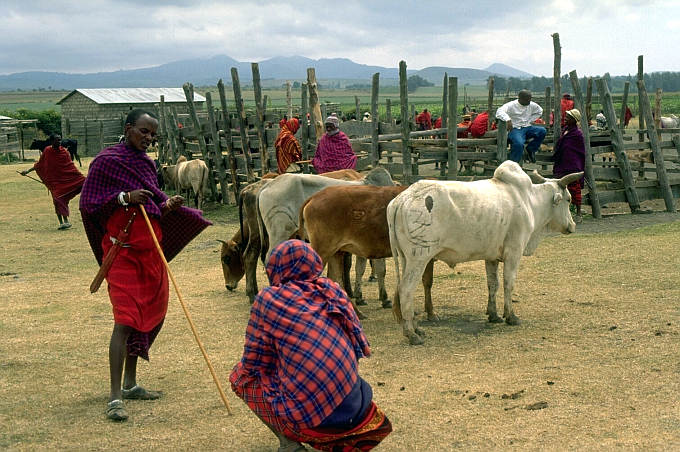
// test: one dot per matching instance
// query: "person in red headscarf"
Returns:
(60, 176)
(627, 116)
(288, 148)
(566, 104)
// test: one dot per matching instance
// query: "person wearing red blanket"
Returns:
(480, 125)
(61, 177)
(299, 369)
(570, 157)
(120, 179)
(288, 148)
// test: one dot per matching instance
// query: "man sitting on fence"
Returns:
(334, 151)
(519, 114)
(60, 176)
(288, 148)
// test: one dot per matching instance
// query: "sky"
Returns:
(107, 35)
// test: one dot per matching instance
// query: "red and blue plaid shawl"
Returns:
(303, 342)
(120, 168)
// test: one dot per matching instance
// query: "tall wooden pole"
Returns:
(189, 93)
(243, 128)
(655, 144)
(375, 129)
(259, 120)
(590, 176)
(314, 107)
(617, 145)
(388, 111)
(405, 124)
(589, 100)
(226, 131)
(452, 126)
(640, 76)
(624, 104)
(445, 100)
(217, 149)
(489, 105)
(557, 70)
(304, 125)
(547, 106)
(357, 105)
(289, 100)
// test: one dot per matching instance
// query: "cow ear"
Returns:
(557, 198)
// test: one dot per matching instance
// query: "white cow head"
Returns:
(558, 217)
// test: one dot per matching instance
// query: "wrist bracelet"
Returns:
(121, 199)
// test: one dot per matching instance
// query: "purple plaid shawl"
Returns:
(570, 152)
(120, 168)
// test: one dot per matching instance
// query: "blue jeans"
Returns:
(517, 138)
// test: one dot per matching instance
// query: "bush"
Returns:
(49, 121)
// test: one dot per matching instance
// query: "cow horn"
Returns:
(536, 178)
(221, 241)
(569, 178)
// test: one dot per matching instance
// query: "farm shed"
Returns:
(95, 117)
(16, 135)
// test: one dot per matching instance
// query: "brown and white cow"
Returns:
(353, 219)
(495, 220)
(239, 254)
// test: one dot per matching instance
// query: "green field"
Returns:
(31, 100)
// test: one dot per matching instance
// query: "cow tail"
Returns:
(240, 220)
(392, 211)
(264, 237)
(301, 222)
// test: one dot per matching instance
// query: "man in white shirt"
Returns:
(519, 115)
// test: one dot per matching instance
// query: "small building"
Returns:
(95, 117)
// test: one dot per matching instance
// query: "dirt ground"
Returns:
(593, 366)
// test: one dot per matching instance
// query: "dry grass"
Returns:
(598, 344)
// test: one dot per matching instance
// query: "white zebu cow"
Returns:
(495, 220)
(669, 122)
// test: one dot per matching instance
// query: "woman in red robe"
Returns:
(60, 176)
(288, 149)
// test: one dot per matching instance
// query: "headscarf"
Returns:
(574, 113)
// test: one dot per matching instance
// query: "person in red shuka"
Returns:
(61, 177)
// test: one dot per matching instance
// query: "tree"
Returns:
(416, 81)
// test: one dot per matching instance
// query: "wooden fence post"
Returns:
(164, 143)
(388, 112)
(217, 149)
(226, 131)
(657, 112)
(357, 105)
(375, 123)
(641, 119)
(557, 82)
(314, 107)
(101, 134)
(589, 99)
(624, 104)
(245, 143)
(452, 136)
(259, 120)
(661, 175)
(181, 148)
(546, 107)
(489, 105)
(407, 171)
(189, 93)
(590, 177)
(304, 125)
(445, 100)
(502, 141)
(617, 145)
(289, 100)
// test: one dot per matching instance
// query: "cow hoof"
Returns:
(433, 317)
(495, 319)
(360, 302)
(387, 304)
(512, 320)
(414, 339)
(230, 289)
(420, 332)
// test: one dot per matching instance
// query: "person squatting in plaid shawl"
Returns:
(119, 179)
(299, 370)
(334, 151)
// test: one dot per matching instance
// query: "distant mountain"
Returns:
(507, 71)
(207, 71)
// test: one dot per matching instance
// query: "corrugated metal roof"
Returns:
(133, 95)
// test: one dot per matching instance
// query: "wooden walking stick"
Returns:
(184, 308)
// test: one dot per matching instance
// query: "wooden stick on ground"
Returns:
(184, 308)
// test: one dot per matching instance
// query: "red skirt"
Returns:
(137, 281)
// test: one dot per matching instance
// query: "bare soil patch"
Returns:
(593, 366)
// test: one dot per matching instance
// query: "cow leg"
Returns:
(380, 271)
(371, 277)
(346, 267)
(427, 286)
(336, 269)
(359, 269)
(510, 266)
(413, 271)
(250, 256)
(492, 285)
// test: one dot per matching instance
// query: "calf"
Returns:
(353, 219)
(192, 174)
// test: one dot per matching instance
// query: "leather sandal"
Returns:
(139, 393)
(115, 410)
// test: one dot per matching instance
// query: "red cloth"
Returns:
(334, 152)
(137, 281)
(627, 116)
(288, 149)
(424, 120)
(438, 123)
(565, 106)
(479, 125)
(575, 190)
(58, 172)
